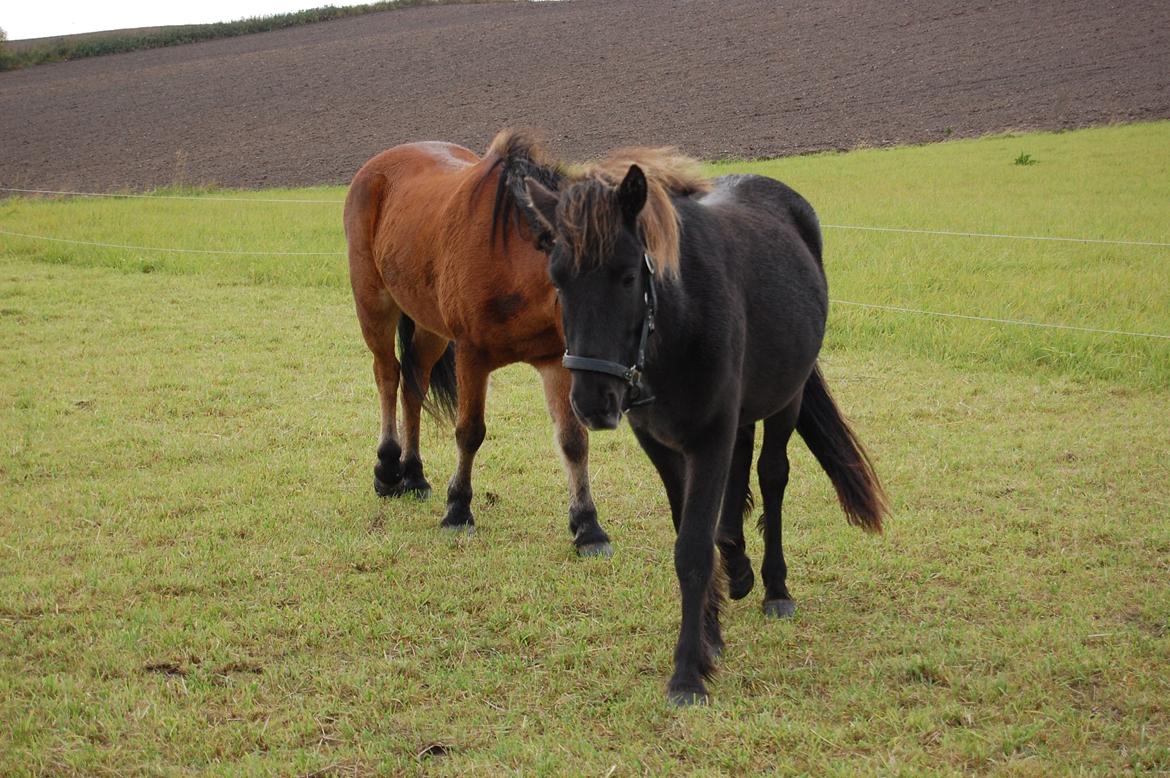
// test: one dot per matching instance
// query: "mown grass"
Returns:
(195, 576)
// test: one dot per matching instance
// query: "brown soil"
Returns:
(717, 77)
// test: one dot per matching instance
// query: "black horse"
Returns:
(698, 316)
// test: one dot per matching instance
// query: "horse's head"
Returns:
(604, 277)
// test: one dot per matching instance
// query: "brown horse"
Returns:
(429, 256)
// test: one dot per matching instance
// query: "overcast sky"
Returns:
(41, 18)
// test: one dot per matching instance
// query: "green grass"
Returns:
(195, 576)
(1110, 183)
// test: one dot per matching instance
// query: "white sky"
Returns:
(42, 18)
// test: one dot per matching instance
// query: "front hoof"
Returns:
(466, 530)
(604, 549)
(458, 519)
(687, 698)
(779, 609)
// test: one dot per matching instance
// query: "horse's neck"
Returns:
(677, 322)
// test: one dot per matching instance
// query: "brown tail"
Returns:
(842, 456)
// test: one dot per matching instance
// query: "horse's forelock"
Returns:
(590, 219)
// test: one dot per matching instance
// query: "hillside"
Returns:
(716, 77)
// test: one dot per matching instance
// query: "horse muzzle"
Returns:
(597, 401)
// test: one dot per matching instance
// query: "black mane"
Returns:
(519, 155)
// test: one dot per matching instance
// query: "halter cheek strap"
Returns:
(631, 374)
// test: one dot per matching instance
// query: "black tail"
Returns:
(840, 453)
(443, 399)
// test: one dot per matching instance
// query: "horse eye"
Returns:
(628, 280)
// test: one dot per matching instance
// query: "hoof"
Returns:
(602, 549)
(741, 586)
(779, 609)
(458, 517)
(687, 699)
(458, 529)
(383, 489)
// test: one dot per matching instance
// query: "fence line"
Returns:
(893, 308)
(1022, 322)
(128, 195)
(952, 233)
(859, 227)
(179, 251)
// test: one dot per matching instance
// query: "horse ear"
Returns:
(543, 205)
(632, 194)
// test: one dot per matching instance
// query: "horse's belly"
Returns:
(415, 296)
(776, 370)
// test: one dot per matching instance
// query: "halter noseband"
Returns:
(632, 375)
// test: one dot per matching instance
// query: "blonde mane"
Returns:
(590, 215)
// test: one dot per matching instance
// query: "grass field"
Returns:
(195, 576)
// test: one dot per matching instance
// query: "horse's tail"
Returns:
(841, 454)
(443, 399)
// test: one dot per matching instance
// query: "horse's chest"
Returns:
(664, 429)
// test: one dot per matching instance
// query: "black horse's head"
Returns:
(604, 277)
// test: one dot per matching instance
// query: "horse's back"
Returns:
(765, 240)
(408, 170)
(769, 201)
(394, 222)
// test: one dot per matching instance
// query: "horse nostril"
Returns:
(609, 400)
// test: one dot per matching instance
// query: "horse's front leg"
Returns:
(736, 502)
(707, 468)
(573, 442)
(471, 373)
(671, 469)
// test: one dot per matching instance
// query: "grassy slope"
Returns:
(195, 576)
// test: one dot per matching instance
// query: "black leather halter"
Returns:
(632, 375)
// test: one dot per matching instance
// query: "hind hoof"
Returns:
(738, 588)
(466, 530)
(603, 549)
(779, 609)
(383, 489)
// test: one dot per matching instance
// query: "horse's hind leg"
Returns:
(378, 315)
(773, 473)
(737, 500)
(428, 349)
(472, 374)
(573, 442)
